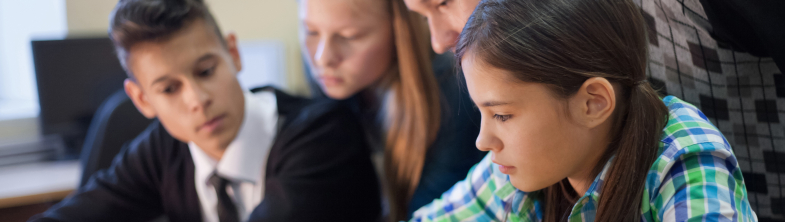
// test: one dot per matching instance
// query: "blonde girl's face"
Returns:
(348, 44)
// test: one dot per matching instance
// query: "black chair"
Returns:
(115, 122)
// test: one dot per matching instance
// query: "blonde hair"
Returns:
(412, 110)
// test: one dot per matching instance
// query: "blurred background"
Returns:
(48, 120)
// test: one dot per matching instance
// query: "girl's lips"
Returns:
(330, 80)
(505, 169)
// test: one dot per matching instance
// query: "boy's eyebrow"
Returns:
(161, 79)
(165, 77)
(205, 57)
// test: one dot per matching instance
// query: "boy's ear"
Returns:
(134, 92)
(231, 45)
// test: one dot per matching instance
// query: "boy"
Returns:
(219, 153)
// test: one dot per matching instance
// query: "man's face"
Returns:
(446, 19)
(189, 82)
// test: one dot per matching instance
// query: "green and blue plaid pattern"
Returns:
(695, 178)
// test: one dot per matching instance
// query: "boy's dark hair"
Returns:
(136, 21)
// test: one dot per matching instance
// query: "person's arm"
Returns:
(479, 197)
(320, 171)
(704, 184)
(127, 191)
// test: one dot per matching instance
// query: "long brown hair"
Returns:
(562, 43)
(412, 112)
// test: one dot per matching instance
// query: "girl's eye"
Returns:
(350, 37)
(443, 3)
(501, 117)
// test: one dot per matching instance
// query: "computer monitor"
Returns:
(74, 77)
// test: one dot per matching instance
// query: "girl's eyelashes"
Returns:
(309, 31)
(501, 117)
(354, 35)
(349, 37)
(443, 2)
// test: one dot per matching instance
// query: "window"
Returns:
(21, 22)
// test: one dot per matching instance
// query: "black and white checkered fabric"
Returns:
(743, 95)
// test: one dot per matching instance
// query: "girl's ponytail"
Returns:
(636, 150)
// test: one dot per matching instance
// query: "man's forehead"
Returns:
(418, 4)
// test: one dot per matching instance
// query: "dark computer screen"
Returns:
(74, 77)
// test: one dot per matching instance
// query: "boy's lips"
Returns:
(212, 124)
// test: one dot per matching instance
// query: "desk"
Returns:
(38, 182)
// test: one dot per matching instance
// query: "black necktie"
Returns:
(227, 212)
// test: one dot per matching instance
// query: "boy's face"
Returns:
(189, 82)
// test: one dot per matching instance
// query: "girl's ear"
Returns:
(594, 102)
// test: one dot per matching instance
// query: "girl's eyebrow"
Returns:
(493, 103)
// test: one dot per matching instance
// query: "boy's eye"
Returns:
(169, 89)
(501, 117)
(207, 72)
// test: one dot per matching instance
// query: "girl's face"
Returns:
(537, 138)
(348, 43)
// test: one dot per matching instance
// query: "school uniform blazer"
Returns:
(318, 169)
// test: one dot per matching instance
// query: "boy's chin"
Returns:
(215, 141)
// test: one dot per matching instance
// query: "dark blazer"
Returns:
(318, 169)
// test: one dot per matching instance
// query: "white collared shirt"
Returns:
(243, 162)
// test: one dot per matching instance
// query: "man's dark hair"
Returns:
(136, 21)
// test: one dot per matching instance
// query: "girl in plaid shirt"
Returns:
(575, 131)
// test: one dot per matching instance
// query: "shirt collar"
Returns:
(596, 186)
(246, 156)
(592, 195)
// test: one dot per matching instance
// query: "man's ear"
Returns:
(594, 102)
(231, 45)
(134, 92)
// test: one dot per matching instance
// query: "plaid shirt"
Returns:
(695, 178)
